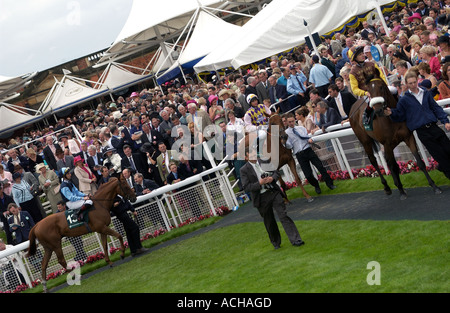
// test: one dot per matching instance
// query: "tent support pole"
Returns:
(311, 39)
(380, 14)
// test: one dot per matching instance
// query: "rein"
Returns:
(362, 102)
(121, 188)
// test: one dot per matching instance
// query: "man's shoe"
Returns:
(318, 190)
(139, 251)
(298, 243)
(332, 187)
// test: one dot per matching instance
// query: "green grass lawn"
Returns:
(413, 257)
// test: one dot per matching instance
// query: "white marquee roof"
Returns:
(69, 92)
(11, 120)
(151, 22)
(9, 85)
(203, 40)
(279, 27)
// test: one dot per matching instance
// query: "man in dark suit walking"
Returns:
(259, 179)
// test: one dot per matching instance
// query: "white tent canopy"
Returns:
(203, 39)
(279, 27)
(118, 76)
(152, 22)
(9, 85)
(11, 120)
(69, 92)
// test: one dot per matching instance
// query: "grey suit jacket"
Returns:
(250, 183)
(263, 92)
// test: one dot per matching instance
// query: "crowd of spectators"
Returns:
(137, 133)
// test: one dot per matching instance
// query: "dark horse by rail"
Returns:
(386, 132)
(51, 229)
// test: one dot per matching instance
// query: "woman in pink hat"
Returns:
(86, 179)
(416, 18)
(216, 112)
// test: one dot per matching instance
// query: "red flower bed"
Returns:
(221, 211)
(369, 171)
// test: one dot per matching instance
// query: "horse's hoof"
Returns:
(310, 199)
(403, 197)
(388, 192)
(122, 257)
(437, 191)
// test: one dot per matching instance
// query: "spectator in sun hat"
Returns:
(416, 18)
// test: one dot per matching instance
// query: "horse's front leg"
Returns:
(110, 232)
(293, 169)
(395, 170)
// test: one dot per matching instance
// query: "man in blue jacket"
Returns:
(20, 223)
(421, 113)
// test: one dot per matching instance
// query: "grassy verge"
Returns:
(245, 232)
(362, 184)
(412, 257)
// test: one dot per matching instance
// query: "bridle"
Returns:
(367, 97)
(282, 129)
(127, 196)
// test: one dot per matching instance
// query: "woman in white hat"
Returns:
(49, 182)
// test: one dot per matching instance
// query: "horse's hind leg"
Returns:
(60, 256)
(47, 255)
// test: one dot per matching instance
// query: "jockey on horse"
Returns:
(256, 119)
(361, 70)
(75, 199)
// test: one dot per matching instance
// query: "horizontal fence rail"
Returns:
(202, 195)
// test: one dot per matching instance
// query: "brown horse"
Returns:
(51, 229)
(285, 155)
(386, 132)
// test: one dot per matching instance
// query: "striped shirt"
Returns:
(21, 192)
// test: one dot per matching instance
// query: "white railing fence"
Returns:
(171, 206)
(160, 211)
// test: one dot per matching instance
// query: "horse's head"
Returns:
(381, 95)
(125, 191)
(276, 120)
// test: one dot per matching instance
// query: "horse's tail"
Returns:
(32, 238)
(376, 146)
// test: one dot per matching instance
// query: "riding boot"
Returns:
(83, 208)
(367, 116)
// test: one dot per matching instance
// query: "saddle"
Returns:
(74, 219)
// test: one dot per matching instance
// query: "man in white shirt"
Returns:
(299, 141)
